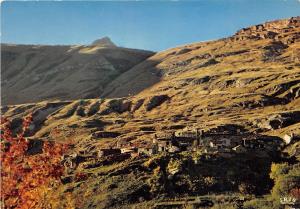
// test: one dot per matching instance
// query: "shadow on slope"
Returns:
(135, 80)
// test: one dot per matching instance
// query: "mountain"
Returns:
(33, 73)
(245, 79)
(247, 85)
(274, 43)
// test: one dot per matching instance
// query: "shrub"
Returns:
(286, 181)
(260, 204)
(246, 188)
(27, 179)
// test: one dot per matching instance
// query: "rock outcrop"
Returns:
(278, 121)
(103, 42)
(286, 31)
(155, 101)
(115, 105)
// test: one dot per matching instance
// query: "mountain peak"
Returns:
(105, 42)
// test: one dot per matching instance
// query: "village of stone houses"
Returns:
(223, 141)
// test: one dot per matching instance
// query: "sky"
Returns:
(151, 25)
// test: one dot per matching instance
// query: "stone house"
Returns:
(163, 146)
(173, 149)
(188, 133)
(251, 144)
(164, 136)
(287, 138)
(221, 142)
(121, 143)
(134, 154)
(239, 149)
(174, 145)
(225, 142)
(128, 149)
(210, 150)
(148, 151)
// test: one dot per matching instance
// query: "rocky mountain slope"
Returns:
(34, 73)
(249, 82)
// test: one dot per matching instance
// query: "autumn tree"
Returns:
(27, 179)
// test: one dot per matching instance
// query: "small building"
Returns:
(163, 146)
(108, 152)
(121, 143)
(226, 142)
(164, 136)
(212, 144)
(188, 133)
(239, 149)
(148, 151)
(134, 154)
(222, 143)
(174, 149)
(251, 143)
(210, 150)
(128, 150)
(287, 138)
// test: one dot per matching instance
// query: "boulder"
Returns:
(207, 63)
(156, 101)
(272, 51)
(183, 51)
(95, 123)
(35, 146)
(138, 104)
(115, 105)
(279, 120)
(202, 80)
(94, 108)
(67, 179)
(105, 134)
(287, 138)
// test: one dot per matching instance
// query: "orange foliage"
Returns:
(26, 179)
(295, 193)
(80, 177)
